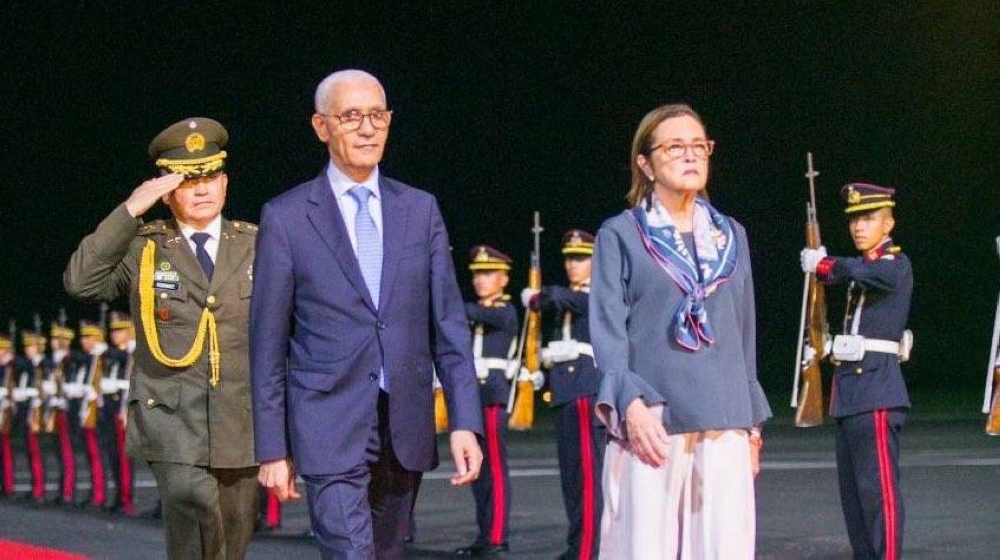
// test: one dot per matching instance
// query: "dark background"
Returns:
(501, 110)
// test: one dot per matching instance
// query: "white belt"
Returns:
(22, 394)
(74, 390)
(586, 349)
(883, 346)
(111, 386)
(495, 363)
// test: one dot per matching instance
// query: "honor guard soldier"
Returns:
(85, 406)
(114, 390)
(494, 343)
(574, 381)
(34, 370)
(868, 397)
(55, 415)
(8, 378)
(188, 280)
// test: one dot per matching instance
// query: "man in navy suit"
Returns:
(355, 304)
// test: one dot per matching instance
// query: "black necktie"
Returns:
(201, 254)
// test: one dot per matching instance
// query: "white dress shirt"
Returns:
(214, 231)
(341, 183)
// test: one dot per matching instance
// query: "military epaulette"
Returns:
(890, 253)
(501, 301)
(152, 228)
(245, 227)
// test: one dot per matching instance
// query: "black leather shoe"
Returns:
(482, 549)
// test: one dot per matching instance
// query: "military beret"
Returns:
(578, 242)
(192, 147)
(485, 257)
(864, 197)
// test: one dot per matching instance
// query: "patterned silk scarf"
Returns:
(715, 244)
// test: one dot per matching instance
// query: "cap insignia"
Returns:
(482, 255)
(195, 142)
(853, 196)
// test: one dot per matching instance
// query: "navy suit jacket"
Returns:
(317, 342)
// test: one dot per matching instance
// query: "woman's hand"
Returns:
(646, 435)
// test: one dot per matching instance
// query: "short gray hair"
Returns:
(322, 100)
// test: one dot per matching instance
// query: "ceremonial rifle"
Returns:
(814, 331)
(7, 408)
(37, 376)
(56, 400)
(92, 400)
(991, 400)
(523, 404)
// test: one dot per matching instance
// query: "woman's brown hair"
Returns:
(641, 188)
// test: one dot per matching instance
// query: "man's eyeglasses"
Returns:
(700, 149)
(351, 120)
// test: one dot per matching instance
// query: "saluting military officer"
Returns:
(869, 398)
(188, 280)
(494, 343)
(574, 381)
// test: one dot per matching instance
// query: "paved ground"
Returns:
(951, 485)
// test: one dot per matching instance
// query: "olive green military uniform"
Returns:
(197, 437)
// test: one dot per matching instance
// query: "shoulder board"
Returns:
(152, 228)
(890, 253)
(245, 227)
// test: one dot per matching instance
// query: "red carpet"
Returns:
(21, 551)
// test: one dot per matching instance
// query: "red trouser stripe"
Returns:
(125, 464)
(888, 489)
(96, 467)
(492, 417)
(68, 459)
(273, 510)
(37, 468)
(8, 465)
(587, 462)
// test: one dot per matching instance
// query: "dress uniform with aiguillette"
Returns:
(869, 398)
(189, 398)
(34, 368)
(494, 344)
(574, 381)
(55, 415)
(112, 425)
(85, 406)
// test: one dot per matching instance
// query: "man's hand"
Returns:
(278, 477)
(467, 456)
(647, 437)
(145, 195)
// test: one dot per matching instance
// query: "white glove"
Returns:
(526, 295)
(811, 257)
(537, 378)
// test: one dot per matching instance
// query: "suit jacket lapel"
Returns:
(329, 224)
(177, 250)
(394, 228)
(230, 256)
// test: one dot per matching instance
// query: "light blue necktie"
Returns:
(369, 254)
(369, 243)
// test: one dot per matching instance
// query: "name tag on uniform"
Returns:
(162, 285)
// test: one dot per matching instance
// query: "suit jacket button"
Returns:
(858, 371)
(373, 376)
(380, 325)
(150, 402)
(210, 300)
